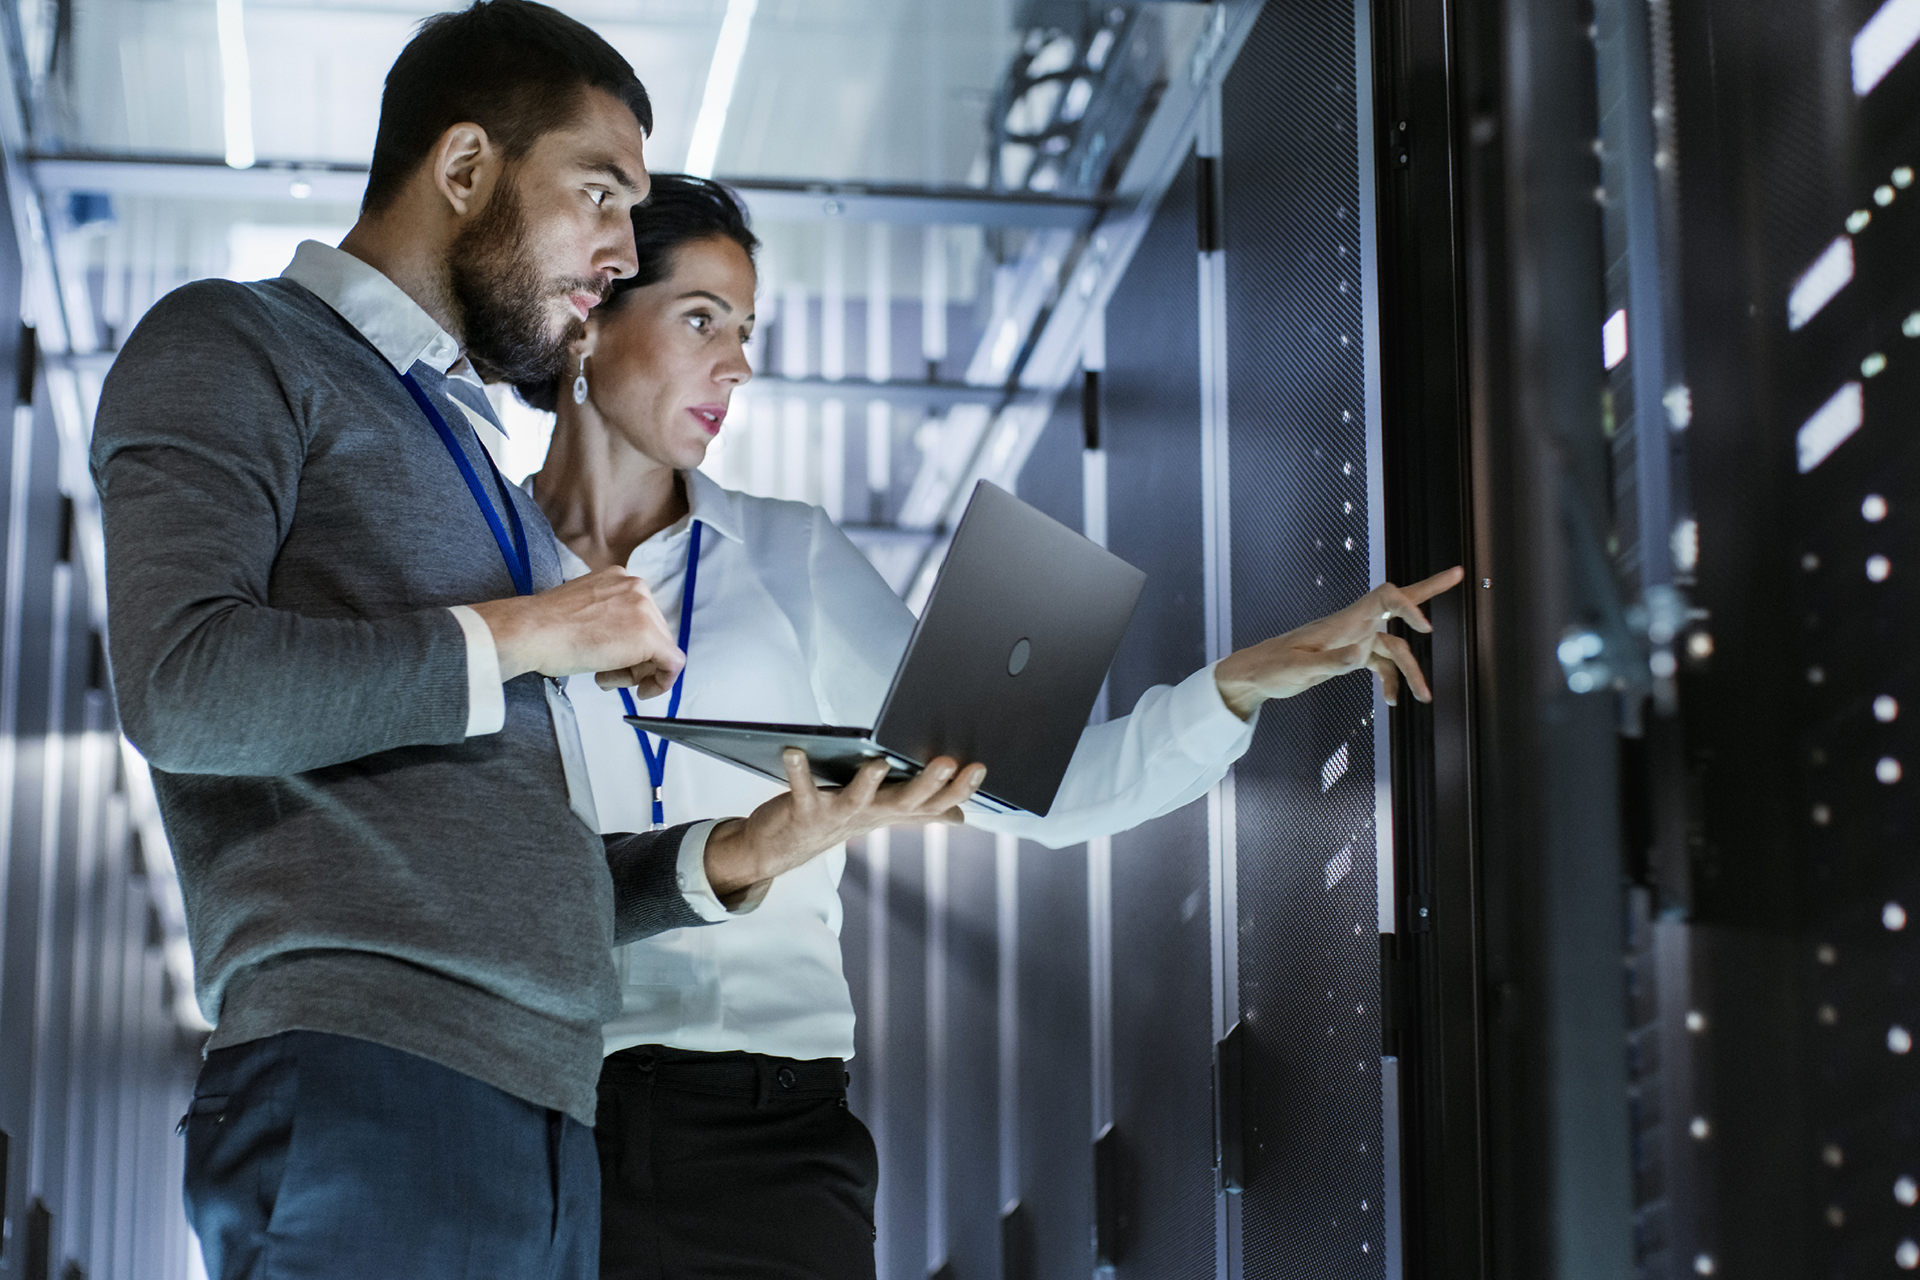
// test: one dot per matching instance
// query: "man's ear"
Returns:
(465, 166)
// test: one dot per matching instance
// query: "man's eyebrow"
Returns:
(613, 170)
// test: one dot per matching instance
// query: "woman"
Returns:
(726, 1146)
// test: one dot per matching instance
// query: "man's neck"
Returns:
(416, 263)
(602, 496)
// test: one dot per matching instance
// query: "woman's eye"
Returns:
(702, 323)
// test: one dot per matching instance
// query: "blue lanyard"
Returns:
(514, 551)
(657, 760)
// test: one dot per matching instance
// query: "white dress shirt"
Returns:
(792, 625)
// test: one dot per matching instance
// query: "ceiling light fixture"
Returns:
(714, 103)
(236, 84)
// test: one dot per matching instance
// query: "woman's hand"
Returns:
(1334, 645)
(745, 854)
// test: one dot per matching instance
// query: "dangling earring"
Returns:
(580, 383)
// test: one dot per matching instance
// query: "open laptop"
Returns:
(1003, 669)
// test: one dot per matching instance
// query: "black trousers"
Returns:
(734, 1166)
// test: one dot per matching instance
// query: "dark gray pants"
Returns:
(321, 1157)
(732, 1166)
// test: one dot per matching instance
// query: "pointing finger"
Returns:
(1427, 588)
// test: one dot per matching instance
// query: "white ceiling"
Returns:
(874, 90)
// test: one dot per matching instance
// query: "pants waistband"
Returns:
(745, 1075)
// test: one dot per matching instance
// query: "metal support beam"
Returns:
(209, 178)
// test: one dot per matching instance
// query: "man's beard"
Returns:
(503, 303)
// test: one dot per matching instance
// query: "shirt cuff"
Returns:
(1203, 724)
(694, 885)
(486, 700)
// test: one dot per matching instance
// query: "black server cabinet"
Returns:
(1799, 135)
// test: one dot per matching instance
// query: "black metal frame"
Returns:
(1508, 950)
(1432, 965)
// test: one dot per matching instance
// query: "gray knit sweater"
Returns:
(284, 530)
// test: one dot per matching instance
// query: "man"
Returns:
(335, 633)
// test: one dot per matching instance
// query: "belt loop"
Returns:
(762, 1081)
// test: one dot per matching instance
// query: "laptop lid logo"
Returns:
(1017, 660)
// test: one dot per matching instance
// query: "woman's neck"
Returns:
(602, 496)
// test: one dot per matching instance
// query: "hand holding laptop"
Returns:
(744, 855)
(1349, 640)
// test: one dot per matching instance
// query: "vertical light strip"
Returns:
(1100, 978)
(704, 148)
(795, 362)
(763, 462)
(795, 427)
(1006, 852)
(933, 298)
(879, 459)
(833, 459)
(53, 781)
(1385, 895)
(1093, 462)
(236, 83)
(879, 978)
(879, 302)
(1093, 479)
(1376, 466)
(19, 483)
(934, 840)
(1217, 580)
(879, 368)
(833, 300)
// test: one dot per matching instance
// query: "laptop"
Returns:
(1003, 669)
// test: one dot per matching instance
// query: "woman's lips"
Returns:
(709, 416)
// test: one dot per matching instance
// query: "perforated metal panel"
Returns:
(1309, 953)
(903, 1149)
(1056, 1164)
(970, 1074)
(1162, 1041)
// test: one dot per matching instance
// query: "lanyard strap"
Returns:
(514, 551)
(657, 760)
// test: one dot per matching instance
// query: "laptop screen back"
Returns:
(1007, 661)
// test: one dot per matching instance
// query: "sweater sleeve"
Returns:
(648, 897)
(198, 450)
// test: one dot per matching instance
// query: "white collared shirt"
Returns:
(401, 330)
(792, 625)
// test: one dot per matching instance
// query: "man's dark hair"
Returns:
(515, 68)
(679, 210)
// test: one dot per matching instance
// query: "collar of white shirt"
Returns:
(712, 505)
(386, 316)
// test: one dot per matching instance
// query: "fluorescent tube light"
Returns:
(1816, 287)
(1830, 426)
(1613, 339)
(236, 84)
(714, 103)
(1890, 33)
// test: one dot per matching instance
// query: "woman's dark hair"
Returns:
(515, 68)
(679, 210)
